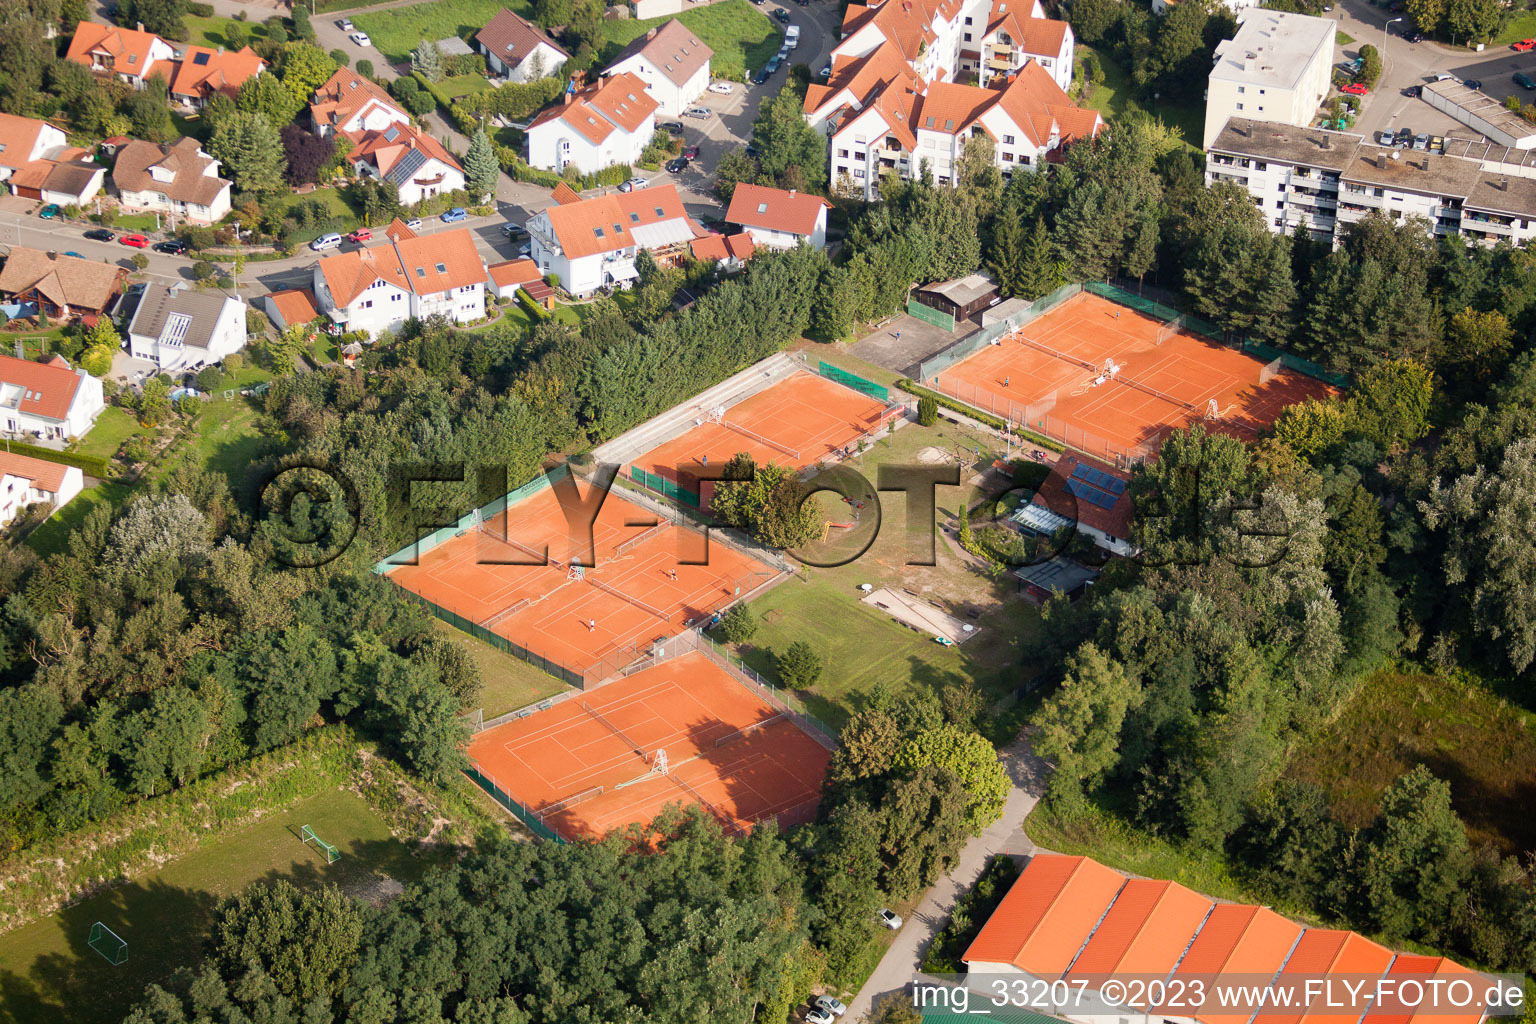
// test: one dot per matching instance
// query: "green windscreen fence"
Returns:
(664, 487)
(1269, 353)
(858, 383)
(929, 315)
(514, 807)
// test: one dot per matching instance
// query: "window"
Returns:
(421, 272)
(1007, 140)
(659, 213)
(967, 37)
(368, 304)
(1239, 106)
(634, 218)
(598, 232)
(762, 207)
(1241, 90)
(441, 269)
(842, 154)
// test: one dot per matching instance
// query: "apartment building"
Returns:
(592, 243)
(1278, 67)
(1323, 180)
(893, 101)
(380, 288)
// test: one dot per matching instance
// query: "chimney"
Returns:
(791, 193)
(221, 51)
(650, 34)
(1327, 141)
(566, 98)
(140, 26)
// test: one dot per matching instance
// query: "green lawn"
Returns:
(508, 683)
(211, 31)
(226, 440)
(347, 216)
(463, 85)
(1343, 38)
(52, 538)
(1521, 26)
(114, 426)
(50, 973)
(131, 222)
(1112, 97)
(861, 644)
(741, 36)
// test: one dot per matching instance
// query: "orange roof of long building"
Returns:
(1322, 952)
(202, 71)
(1146, 931)
(1393, 1010)
(1047, 915)
(1238, 939)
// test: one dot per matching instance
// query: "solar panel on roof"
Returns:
(201, 58)
(1098, 478)
(392, 134)
(1090, 494)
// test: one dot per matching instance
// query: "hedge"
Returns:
(980, 417)
(519, 169)
(535, 310)
(95, 465)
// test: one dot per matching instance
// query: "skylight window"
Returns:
(421, 271)
(441, 269)
(201, 58)
(634, 218)
(659, 213)
(598, 232)
(762, 207)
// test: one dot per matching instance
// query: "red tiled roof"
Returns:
(48, 389)
(344, 94)
(1047, 915)
(672, 49)
(384, 148)
(1393, 1010)
(1145, 931)
(18, 137)
(576, 225)
(563, 194)
(129, 48)
(710, 247)
(202, 72)
(398, 229)
(44, 475)
(740, 245)
(511, 39)
(513, 272)
(862, 77)
(1054, 495)
(774, 209)
(407, 263)
(597, 110)
(295, 305)
(950, 108)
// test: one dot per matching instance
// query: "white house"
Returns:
(181, 329)
(518, 50)
(178, 179)
(24, 140)
(415, 161)
(779, 219)
(49, 400)
(131, 55)
(901, 131)
(608, 122)
(673, 64)
(1010, 39)
(352, 104)
(410, 276)
(65, 182)
(592, 244)
(1278, 67)
(26, 481)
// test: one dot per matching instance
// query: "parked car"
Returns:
(360, 235)
(723, 88)
(512, 230)
(760, 77)
(454, 215)
(833, 1006)
(1383, 138)
(361, 39)
(49, 212)
(773, 64)
(1437, 143)
(782, 15)
(759, 2)
(890, 919)
(345, 24)
(1414, 91)
(1403, 139)
(1417, 37)
(134, 241)
(691, 152)
(826, 71)
(1421, 141)
(414, 223)
(677, 165)
(1355, 89)
(325, 242)
(174, 247)
(1524, 80)
(816, 1015)
(633, 185)
(100, 235)
(525, 252)
(699, 112)
(675, 127)
(1523, 45)
(1473, 83)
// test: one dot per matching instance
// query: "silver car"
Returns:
(829, 1005)
(818, 1016)
(699, 112)
(890, 919)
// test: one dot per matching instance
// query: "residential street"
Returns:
(1006, 835)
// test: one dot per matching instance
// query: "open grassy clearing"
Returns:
(1482, 744)
(50, 973)
(114, 426)
(508, 683)
(1112, 97)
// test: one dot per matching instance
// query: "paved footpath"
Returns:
(1006, 835)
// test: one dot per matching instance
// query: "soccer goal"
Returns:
(108, 943)
(332, 855)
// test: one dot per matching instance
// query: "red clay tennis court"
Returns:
(1049, 377)
(797, 422)
(585, 765)
(637, 589)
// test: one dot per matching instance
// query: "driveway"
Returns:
(1006, 836)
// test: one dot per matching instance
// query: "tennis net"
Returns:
(605, 588)
(747, 730)
(1154, 392)
(589, 709)
(754, 435)
(1032, 343)
(507, 612)
(539, 557)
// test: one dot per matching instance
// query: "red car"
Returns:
(1523, 45)
(137, 241)
(1355, 89)
(692, 152)
(360, 235)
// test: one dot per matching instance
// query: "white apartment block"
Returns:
(1323, 180)
(592, 244)
(380, 288)
(1278, 67)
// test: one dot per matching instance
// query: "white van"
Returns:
(324, 242)
(792, 37)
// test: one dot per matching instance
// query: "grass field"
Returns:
(463, 85)
(1112, 97)
(1482, 744)
(226, 439)
(862, 645)
(213, 31)
(49, 973)
(741, 36)
(1521, 26)
(508, 683)
(52, 538)
(114, 426)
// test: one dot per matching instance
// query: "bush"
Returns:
(365, 68)
(210, 378)
(799, 665)
(202, 270)
(97, 361)
(198, 10)
(139, 261)
(1370, 66)
(404, 87)
(342, 58)
(200, 237)
(738, 625)
(927, 411)
(234, 361)
(420, 104)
